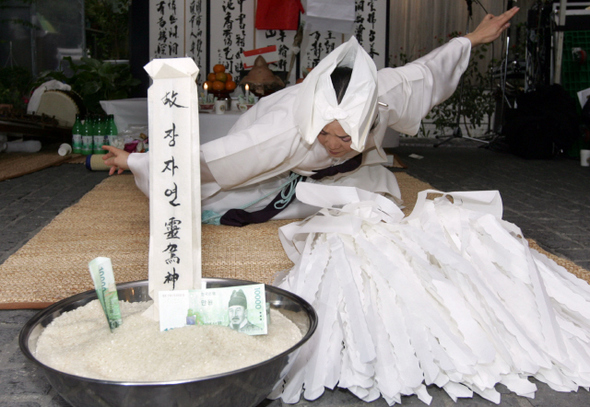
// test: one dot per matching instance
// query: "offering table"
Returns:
(134, 112)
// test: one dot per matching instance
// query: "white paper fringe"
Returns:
(451, 295)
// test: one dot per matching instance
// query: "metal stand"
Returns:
(503, 83)
(457, 132)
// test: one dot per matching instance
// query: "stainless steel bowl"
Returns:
(243, 387)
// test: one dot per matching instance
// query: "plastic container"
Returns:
(94, 162)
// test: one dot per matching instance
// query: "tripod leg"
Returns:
(456, 134)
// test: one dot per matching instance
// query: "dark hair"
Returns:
(340, 80)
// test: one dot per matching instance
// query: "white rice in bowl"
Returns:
(79, 342)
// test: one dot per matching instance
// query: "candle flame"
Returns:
(247, 87)
(205, 86)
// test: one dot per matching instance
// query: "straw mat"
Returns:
(112, 221)
(14, 165)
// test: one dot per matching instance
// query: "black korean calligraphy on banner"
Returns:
(196, 32)
(167, 22)
(175, 203)
(167, 187)
(218, 31)
(231, 29)
(283, 40)
(370, 26)
(370, 29)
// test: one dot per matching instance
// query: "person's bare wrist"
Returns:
(474, 41)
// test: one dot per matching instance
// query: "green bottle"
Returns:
(112, 131)
(77, 129)
(99, 136)
(87, 135)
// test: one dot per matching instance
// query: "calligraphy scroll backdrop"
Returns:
(219, 31)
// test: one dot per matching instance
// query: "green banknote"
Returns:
(101, 271)
(242, 308)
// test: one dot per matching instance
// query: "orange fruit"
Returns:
(229, 77)
(230, 85)
(221, 76)
(218, 85)
(211, 77)
(218, 68)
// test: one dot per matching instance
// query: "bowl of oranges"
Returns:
(219, 82)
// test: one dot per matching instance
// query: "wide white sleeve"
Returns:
(263, 143)
(139, 164)
(411, 91)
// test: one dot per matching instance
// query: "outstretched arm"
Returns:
(138, 163)
(411, 91)
(116, 159)
(491, 27)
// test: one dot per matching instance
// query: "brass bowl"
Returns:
(244, 387)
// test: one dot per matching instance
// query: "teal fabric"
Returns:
(287, 190)
(210, 217)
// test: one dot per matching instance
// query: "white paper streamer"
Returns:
(451, 295)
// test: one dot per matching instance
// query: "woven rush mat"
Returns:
(14, 165)
(112, 221)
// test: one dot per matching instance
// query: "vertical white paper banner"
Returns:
(196, 32)
(371, 31)
(316, 45)
(231, 32)
(179, 29)
(175, 187)
(283, 39)
(167, 29)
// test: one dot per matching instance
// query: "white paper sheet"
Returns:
(330, 15)
(175, 194)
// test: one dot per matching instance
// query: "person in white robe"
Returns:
(278, 142)
(450, 296)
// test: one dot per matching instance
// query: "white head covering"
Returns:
(317, 105)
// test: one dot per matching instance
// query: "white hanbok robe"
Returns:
(265, 145)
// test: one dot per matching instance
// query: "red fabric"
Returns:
(278, 14)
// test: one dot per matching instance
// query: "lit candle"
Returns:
(247, 94)
(205, 86)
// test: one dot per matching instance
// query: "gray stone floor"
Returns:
(548, 199)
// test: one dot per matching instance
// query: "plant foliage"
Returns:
(471, 103)
(95, 80)
(15, 86)
(108, 23)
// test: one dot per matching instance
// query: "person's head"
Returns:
(237, 308)
(342, 88)
(335, 140)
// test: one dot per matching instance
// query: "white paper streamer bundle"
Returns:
(451, 296)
